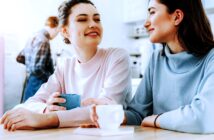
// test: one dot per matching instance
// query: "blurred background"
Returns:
(123, 27)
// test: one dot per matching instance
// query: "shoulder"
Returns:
(210, 55)
(209, 58)
(115, 53)
(157, 55)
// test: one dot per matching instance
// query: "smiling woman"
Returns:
(177, 91)
(100, 76)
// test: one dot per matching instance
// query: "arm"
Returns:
(43, 65)
(142, 103)
(25, 119)
(196, 117)
(37, 103)
(21, 57)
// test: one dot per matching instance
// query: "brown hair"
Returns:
(52, 21)
(64, 11)
(194, 32)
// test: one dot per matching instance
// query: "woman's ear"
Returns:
(178, 17)
(65, 32)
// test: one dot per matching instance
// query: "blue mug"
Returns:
(72, 101)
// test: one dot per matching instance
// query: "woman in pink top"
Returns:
(100, 76)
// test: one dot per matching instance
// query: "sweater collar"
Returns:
(90, 66)
(181, 62)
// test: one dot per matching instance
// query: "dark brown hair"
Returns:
(52, 21)
(65, 10)
(194, 32)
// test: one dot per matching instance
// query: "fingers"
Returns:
(10, 118)
(7, 116)
(54, 98)
(11, 126)
(21, 125)
(4, 117)
(53, 101)
(55, 108)
(56, 94)
(88, 126)
(93, 116)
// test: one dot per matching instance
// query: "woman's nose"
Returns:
(92, 24)
(147, 23)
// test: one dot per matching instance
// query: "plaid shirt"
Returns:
(37, 54)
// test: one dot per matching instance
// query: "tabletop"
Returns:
(140, 133)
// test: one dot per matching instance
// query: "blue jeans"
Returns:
(33, 84)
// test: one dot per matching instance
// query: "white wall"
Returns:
(22, 18)
(115, 30)
(1, 74)
(19, 20)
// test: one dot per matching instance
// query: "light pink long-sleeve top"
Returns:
(106, 76)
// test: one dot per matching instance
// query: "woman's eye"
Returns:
(82, 20)
(151, 12)
(97, 20)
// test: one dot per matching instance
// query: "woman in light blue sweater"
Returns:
(177, 91)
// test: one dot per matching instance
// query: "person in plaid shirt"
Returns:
(37, 58)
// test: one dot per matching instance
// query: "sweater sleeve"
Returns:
(196, 117)
(142, 103)
(74, 117)
(117, 84)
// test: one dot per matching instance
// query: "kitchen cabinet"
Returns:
(209, 6)
(134, 10)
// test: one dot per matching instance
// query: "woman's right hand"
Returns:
(52, 102)
(93, 116)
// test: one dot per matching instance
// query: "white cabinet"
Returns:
(209, 6)
(134, 10)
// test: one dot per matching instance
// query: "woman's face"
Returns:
(84, 27)
(160, 24)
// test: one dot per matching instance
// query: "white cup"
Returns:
(110, 116)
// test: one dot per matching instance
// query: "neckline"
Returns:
(181, 62)
(90, 66)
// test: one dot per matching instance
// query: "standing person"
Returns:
(100, 76)
(37, 57)
(177, 91)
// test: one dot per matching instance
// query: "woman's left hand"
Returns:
(149, 121)
(21, 118)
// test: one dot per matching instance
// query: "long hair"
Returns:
(65, 9)
(194, 32)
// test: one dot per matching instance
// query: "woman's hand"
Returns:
(93, 116)
(21, 118)
(52, 102)
(149, 121)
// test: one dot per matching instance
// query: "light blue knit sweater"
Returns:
(182, 87)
